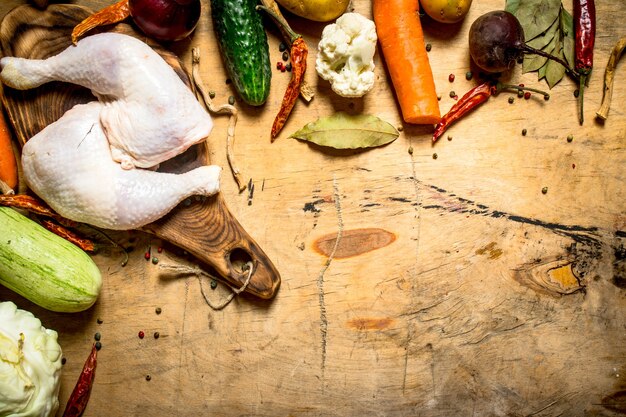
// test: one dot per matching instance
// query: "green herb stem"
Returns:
(500, 87)
(581, 88)
(281, 22)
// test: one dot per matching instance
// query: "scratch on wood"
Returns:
(456, 204)
(320, 280)
(409, 338)
(182, 338)
(418, 208)
(423, 309)
(429, 346)
(495, 333)
(400, 199)
(543, 408)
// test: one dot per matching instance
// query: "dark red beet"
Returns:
(496, 42)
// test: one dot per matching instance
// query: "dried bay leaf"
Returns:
(345, 131)
(536, 16)
(556, 39)
(541, 41)
(567, 31)
(541, 72)
(533, 62)
(568, 50)
(567, 22)
(554, 70)
(512, 6)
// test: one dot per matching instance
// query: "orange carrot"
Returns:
(8, 164)
(402, 42)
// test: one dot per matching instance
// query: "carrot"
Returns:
(8, 164)
(402, 43)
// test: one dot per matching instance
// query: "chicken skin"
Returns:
(148, 114)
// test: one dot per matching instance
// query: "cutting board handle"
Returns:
(206, 229)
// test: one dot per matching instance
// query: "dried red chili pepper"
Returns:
(33, 205)
(298, 53)
(80, 395)
(472, 99)
(85, 244)
(37, 206)
(584, 40)
(111, 14)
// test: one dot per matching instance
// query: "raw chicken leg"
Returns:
(69, 165)
(148, 114)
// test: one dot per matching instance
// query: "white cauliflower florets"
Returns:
(345, 55)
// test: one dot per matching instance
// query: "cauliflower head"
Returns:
(345, 55)
(30, 365)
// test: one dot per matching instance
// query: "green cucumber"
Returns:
(244, 48)
(45, 268)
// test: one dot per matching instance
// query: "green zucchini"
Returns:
(45, 268)
(244, 48)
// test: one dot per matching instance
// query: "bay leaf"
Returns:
(541, 72)
(511, 6)
(554, 70)
(541, 41)
(345, 131)
(533, 62)
(536, 16)
(557, 39)
(567, 22)
(568, 50)
(567, 31)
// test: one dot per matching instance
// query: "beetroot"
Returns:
(496, 42)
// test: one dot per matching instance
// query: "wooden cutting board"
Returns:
(206, 228)
(457, 288)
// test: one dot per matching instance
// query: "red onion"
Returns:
(168, 20)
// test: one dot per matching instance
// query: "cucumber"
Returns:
(244, 48)
(45, 268)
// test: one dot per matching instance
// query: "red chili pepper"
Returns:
(85, 244)
(32, 204)
(80, 396)
(107, 16)
(584, 40)
(468, 102)
(299, 52)
(472, 99)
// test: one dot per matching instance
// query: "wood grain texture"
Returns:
(494, 299)
(207, 230)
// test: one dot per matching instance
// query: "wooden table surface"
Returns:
(458, 288)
